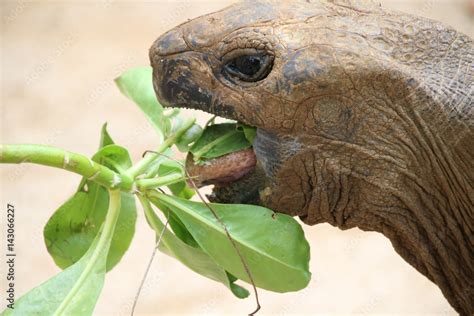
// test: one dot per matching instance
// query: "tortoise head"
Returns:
(254, 62)
(331, 87)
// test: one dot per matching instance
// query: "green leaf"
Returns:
(72, 228)
(238, 291)
(75, 290)
(114, 157)
(273, 244)
(194, 258)
(218, 140)
(190, 136)
(47, 297)
(177, 226)
(137, 85)
(105, 138)
(250, 132)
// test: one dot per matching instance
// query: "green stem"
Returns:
(60, 158)
(142, 165)
(144, 184)
(154, 167)
(102, 245)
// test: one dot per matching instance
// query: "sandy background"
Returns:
(58, 62)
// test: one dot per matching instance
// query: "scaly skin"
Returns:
(365, 120)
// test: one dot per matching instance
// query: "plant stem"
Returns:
(60, 158)
(144, 184)
(142, 165)
(102, 245)
(154, 167)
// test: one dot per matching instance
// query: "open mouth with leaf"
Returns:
(223, 156)
(89, 234)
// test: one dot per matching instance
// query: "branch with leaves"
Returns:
(89, 234)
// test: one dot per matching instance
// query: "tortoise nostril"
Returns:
(175, 82)
(171, 42)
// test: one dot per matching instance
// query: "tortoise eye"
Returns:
(249, 67)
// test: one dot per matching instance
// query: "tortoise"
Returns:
(364, 119)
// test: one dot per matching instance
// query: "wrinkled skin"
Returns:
(364, 120)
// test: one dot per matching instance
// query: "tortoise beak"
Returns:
(175, 83)
(179, 74)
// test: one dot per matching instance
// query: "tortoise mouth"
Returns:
(222, 170)
(237, 177)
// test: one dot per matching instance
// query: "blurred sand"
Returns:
(58, 62)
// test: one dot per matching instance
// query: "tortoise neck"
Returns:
(430, 225)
